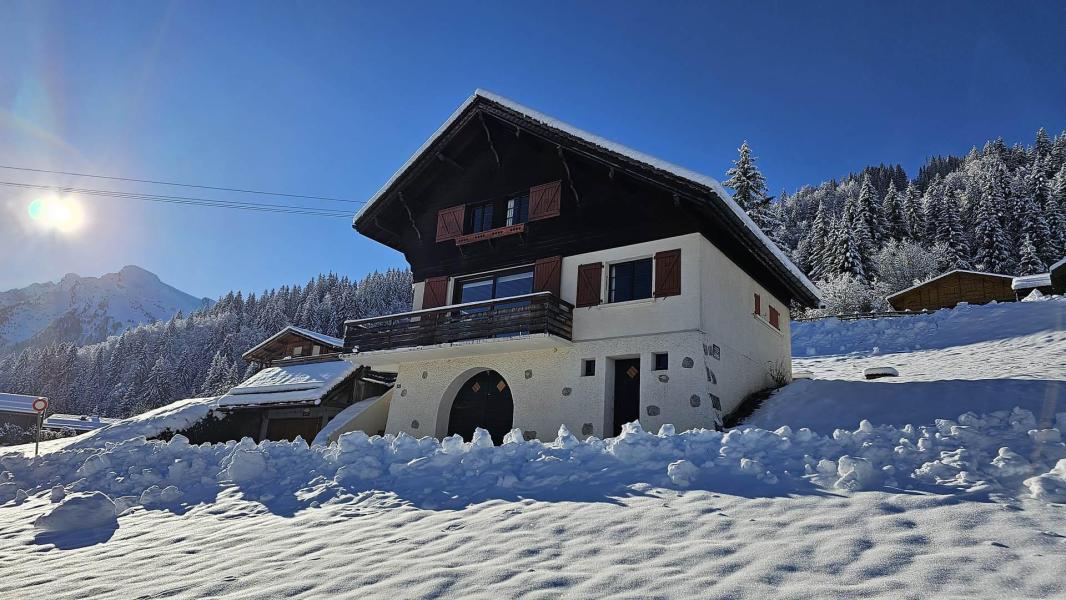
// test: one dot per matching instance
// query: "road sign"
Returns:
(40, 404)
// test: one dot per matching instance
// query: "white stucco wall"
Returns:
(713, 309)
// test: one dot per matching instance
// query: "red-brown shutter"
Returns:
(450, 222)
(758, 305)
(589, 282)
(548, 275)
(544, 200)
(667, 273)
(435, 292)
(775, 318)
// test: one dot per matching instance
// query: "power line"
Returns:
(188, 200)
(188, 185)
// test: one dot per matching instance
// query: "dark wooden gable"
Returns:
(284, 345)
(581, 199)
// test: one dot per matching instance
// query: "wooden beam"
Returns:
(410, 217)
(450, 161)
(569, 179)
(488, 136)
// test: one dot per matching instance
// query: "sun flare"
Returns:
(63, 214)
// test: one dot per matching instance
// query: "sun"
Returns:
(63, 214)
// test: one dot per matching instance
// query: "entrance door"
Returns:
(484, 401)
(626, 392)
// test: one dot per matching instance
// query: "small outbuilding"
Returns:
(1024, 285)
(17, 409)
(294, 342)
(948, 289)
(1057, 274)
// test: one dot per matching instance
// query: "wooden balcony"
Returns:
(503, 318)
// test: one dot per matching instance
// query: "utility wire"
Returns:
(189, 185)
(188, 200)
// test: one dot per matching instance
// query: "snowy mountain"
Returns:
(87, 309)
(948, 481)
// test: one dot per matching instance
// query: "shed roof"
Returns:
(77, 422)
(17, 403)
(1031, 281)
(302, 382)
(943, 275)
(710, 189)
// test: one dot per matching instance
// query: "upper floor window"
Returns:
(517, 210)
(630, 281)
(481, 217)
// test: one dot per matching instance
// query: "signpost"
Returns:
(40, 405)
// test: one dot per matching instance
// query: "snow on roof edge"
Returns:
(609, 145)
(945, 274)
(1031, 281)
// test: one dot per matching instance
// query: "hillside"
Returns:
(903, 504)
(84, 310)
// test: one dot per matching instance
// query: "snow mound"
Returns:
(1051, 486)
(79, 511)
(173, 417)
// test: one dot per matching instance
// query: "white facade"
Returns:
(718, 352)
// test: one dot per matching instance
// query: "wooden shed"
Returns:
(1058, 277)
(948, 289)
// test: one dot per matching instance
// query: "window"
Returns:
(517, 210)
(630, 281)
(588, 367)
(775, 318)
(316, 350)
(661, 361)
(298, 350)
(481, 218)
(758, 305)
(489, 287)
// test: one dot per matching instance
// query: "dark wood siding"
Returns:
(667, 273)
(947, 291)
(589, 284)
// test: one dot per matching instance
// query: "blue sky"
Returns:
(330, 98)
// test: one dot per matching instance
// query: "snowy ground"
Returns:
(879, 509)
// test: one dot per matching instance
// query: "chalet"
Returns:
(17, 409)
(302, 386)
(948, 289)
(562, 279)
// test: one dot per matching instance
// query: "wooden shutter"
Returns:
(548, 274)
(775, 318)
(450, 222)
(589, 282)
(544, 200)
(667, 273)
(435, 292)
(758, 305)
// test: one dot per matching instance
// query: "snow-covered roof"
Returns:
(943, 275)
(691, 176)
(77, 422)
(286, 383)
(326, 340)
(1057, 265)
(1031, 281)
(17, 403)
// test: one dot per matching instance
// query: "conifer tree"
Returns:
(868, 210)
(913, 216)
(749, 188)
(949, 231)
(992, 252)
(892, 209)
(1030, 262)
(817, 242)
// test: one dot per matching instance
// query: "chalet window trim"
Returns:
(605, 281)
(457, 282)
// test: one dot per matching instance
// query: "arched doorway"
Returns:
(482, 401)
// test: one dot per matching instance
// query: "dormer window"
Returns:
(517, 210)
(481, 217)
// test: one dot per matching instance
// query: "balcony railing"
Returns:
(541, 312)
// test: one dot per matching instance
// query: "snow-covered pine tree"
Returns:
(749, 189)
(913, 216)
(1056, 213)
(848, 243)
(950, 233)
(931, 209)
(1029, 262)
(816, 244)
(892, 209)
(868, 209)
(991, 252)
